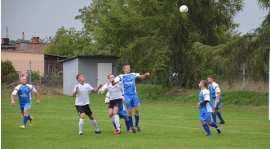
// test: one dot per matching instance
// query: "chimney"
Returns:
(5, 41)
(22, 36)
(35, 39)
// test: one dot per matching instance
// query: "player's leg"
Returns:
(218, 113)
(136, 109)
(117, 103)
(89, 113)
(25, 107)
(213, 124)
(81, 121)
(123, 114)
(213, 113)
(129, 104)
(204, 119)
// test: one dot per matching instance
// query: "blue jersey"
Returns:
(204, 96)
(214, 90)
(129, 81)
(24, 92)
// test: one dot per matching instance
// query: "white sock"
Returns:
(81, 123)
(112, 118)
(94, 123)
(116, 121)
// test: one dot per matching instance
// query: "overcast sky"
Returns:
(42, 18)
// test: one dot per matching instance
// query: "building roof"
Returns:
(10, 46)
(33, 51)
(90, 56)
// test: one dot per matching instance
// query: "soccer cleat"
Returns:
(133, 130)
(31, 122)
(22, 127)
(98, 131)
(80, 134)
(222, 122)
(138, 128)
(209, 135)
(116, 132)
(218, 130)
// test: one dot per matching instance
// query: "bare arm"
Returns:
(218, 97)
(96, 89)
(75, 92)
(37, 96)
(12, 100)
(144, 75)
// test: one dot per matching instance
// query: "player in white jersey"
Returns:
(131, 97)
(206, 109)
(217, 98)
(121, 112)
(24, 93)
(115, 91)
(82, 91)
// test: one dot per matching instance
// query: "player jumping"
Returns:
(115, 91)
(130, 94)
(121, 111)
(205, 109)
(217, 99)
(82, 91)
(24, 93)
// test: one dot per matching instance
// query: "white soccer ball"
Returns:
(183, 9)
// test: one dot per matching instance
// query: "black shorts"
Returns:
(115, 103)
(84, 109)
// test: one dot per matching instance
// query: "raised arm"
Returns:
(75, 91)
(103, 89)
(96, 89)
(144, 75)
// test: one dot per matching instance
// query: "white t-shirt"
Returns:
(114, 91)
(82, 96)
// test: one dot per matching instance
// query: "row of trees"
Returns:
(154, 36)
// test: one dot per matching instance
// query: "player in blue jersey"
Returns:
(217, 99)
(24, 93)
(130, 94)
(121, 111)
(206, 109)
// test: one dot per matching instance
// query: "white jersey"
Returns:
(114, 91)
(82, 96)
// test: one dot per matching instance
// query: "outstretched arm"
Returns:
(144, 75)
(96, 89)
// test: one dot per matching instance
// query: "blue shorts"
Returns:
(132, 101)
(122, 114)
(205, 116)
(216, 106)
(25, 105)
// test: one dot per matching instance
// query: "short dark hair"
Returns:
(204, 83)
(210, 77)
(77, 77)
(109, 75)
(126, 65)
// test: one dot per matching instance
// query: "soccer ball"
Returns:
(183, 9)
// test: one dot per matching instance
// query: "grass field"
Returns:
(165, 124)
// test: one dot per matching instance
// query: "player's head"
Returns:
(80, 78)
(23, 80)
(202, 84)
(210, 79)
(126, 69)
(111, 77)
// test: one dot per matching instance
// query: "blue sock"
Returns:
(213, 124)
(220, 117)
(137, 118)
(128, 125)
(29, 118)
(114, 125)
(214, 117)
(25, 119)
(130, 121)
(206, 128)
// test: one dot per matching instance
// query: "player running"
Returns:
(130, 94)
(82, 91)
(24, 93)
(115, 91)
(217, 99)
(122, 113)
(205, 109)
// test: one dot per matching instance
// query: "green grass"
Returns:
(167, 121)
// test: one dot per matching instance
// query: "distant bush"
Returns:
(35, 76)
(8, 72)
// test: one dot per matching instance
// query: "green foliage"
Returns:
(35, 76)
(8, 72)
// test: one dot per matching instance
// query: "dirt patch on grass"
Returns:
(42, 89)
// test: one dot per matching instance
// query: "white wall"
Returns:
(70, 71)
